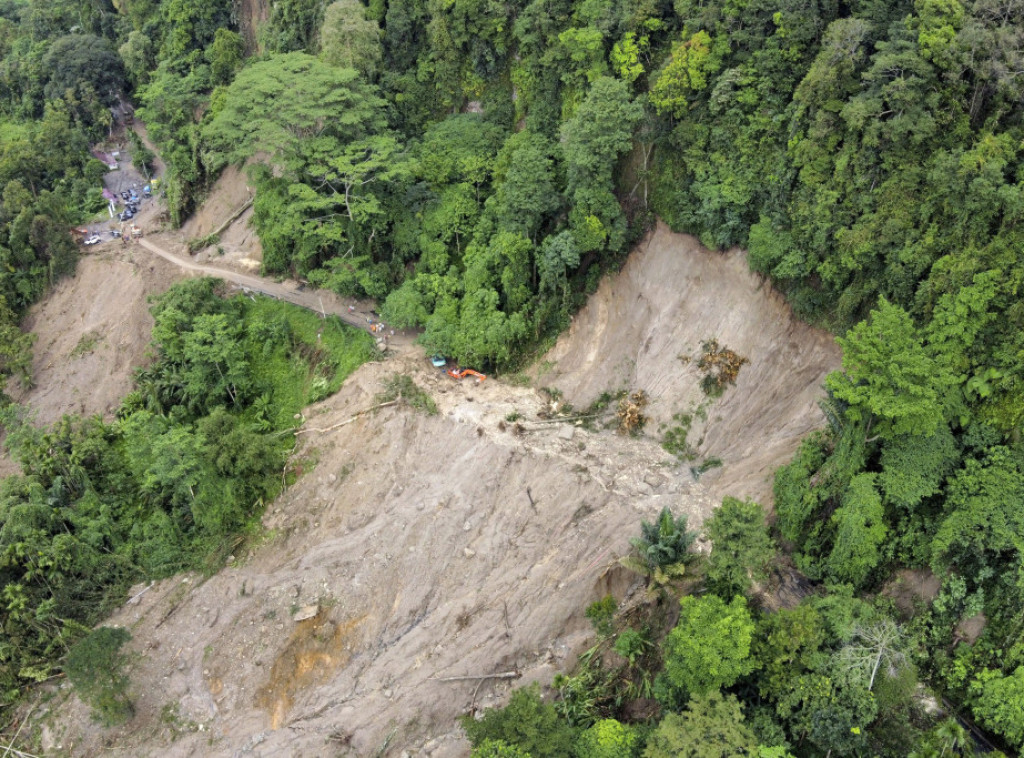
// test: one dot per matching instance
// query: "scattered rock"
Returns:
(566, 432)
(306, 612)
(468, 553)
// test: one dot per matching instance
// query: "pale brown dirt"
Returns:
(252, 15)
(912, 587)
(643, 329)
(92, 331)
(238, 246)
(415, 538)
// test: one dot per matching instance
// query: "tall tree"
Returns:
(860, 531)
(526, 191)
(526, 722)
(225, 55)
(709, 647)
(889, 377)
(592, 140)
(286, 104)
(349, 39)
(741, 547)
(1000, 703)
(712, 726)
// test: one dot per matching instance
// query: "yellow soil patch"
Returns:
(317, 647)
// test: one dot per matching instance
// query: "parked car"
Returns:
(93, 240)
(125, 196)
(115, 233)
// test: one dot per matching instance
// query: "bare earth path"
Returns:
(321, 301)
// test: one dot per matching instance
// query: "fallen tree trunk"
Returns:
(346, 421)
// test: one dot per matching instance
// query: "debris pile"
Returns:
(630, 413)
(720, 365)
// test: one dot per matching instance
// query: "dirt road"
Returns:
(320, 301)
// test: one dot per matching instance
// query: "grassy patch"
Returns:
(199, 243)
(309, 359)
(705, 466)
(12, 131)
(95, 666)
(171, 718)
(402, 387)
(86, 344)
(674, 439)
(603, 402)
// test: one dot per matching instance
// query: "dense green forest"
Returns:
(476, 166)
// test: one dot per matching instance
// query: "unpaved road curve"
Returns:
(315, 300)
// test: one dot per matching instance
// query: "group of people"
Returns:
(377, 328)
(129, 235)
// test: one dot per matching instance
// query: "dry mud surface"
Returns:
(643, 329)
(415, 548)
(92, 331)
(238, 245)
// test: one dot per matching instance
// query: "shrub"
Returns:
(95, 667)
(526, 722)
(608, 738)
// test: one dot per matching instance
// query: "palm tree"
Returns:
(946, 740)
(661, 552)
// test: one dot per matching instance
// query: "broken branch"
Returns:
(503, 675)
(348, 420)
(568, 419)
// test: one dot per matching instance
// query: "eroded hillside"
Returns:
(92, 331)
(417, 548)
(644, 329)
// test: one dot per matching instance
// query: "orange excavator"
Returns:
(460, 373)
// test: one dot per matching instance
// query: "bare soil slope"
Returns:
(418, 548)
(412, 544)
(92, 331)
(643, 329)
(238, 243)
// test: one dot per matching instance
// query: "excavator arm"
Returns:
(457, 373)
